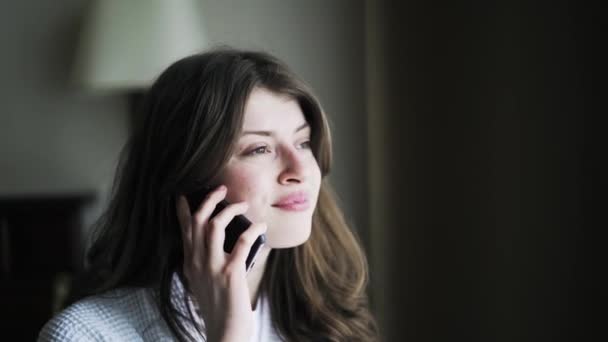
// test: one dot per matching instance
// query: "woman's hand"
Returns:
(216, 279)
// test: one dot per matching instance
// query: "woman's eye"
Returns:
(305, 144)
(258, 150)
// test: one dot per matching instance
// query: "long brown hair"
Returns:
(192, 118)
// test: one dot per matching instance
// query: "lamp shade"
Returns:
(126, 44)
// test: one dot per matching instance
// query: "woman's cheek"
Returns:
(247, 187)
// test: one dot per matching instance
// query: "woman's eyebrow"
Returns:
(270, 133)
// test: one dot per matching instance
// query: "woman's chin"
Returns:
(287, 239)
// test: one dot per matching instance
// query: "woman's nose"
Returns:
(293, 166)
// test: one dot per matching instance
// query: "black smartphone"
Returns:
(235, 228)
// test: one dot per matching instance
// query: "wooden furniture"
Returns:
(40, 247)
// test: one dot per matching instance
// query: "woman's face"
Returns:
(274, 169)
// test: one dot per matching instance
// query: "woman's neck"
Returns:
(256, 273)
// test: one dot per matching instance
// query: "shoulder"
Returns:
(121, 314)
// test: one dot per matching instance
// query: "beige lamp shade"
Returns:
(126, 44)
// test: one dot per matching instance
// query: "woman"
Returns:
(241, 124)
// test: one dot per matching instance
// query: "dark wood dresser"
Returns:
(40, 251)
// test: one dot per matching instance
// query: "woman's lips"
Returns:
(292, 206)
(297, 201)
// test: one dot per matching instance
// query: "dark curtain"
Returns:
(494, 137)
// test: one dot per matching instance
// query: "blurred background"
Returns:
(466, 146)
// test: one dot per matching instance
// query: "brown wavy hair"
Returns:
(191, 119)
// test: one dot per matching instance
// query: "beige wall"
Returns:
(53, 138)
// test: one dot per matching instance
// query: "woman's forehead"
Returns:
(268, 111)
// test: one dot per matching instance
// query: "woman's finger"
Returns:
(238, 257)
(206, 207)
(216, 233)
(200, 221)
